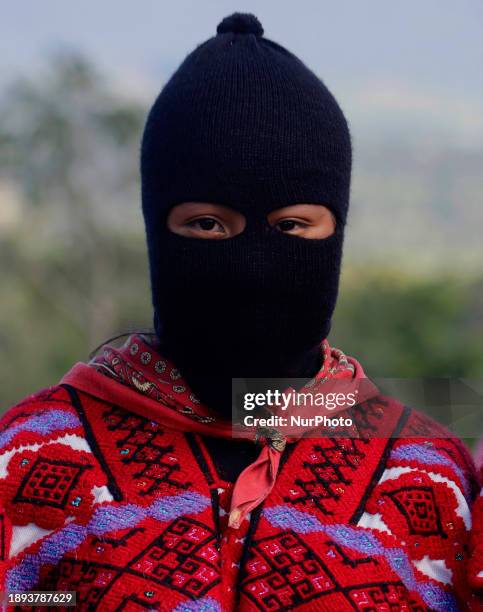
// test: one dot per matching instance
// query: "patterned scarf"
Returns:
(141, 380)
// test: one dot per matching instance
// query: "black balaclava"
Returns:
(245, 124)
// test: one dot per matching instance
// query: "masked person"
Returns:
(123, 483)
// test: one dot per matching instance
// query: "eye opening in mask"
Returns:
(205, 220)
(209, 221)
(309, 221)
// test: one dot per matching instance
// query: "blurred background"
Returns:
(76, 81)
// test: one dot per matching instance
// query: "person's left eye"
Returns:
(289, 225)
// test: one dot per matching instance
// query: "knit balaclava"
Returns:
(245, 124)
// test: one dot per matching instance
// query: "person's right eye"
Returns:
(207, 226)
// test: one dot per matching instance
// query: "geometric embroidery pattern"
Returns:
(418, 506)
(88, 579)
(49, 482)
(328, 468)
(388, 596)
(141, 441)
(283, 572)
(182, 558)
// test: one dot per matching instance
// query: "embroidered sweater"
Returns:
(131, 515)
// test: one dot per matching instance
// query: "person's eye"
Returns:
(290, 225)
(206, 224)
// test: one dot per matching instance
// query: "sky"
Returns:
(397, 67)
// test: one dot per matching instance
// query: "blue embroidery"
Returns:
(207, 604)
(44, 424)
(290, 518)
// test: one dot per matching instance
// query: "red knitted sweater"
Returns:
(132, 516)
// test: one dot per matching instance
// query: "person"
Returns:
(122, 483)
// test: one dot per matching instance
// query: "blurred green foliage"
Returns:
(403, 325)
(73, 261)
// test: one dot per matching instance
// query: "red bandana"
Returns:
(139, 379)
